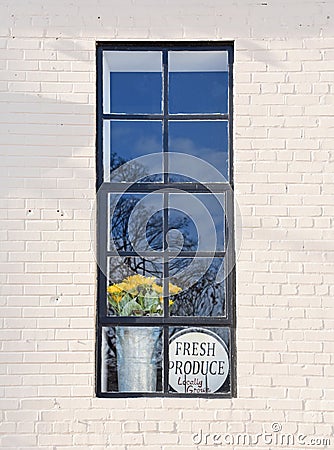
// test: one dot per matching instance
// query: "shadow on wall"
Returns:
(47, 148)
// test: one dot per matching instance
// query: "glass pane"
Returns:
(131, 359)
(202, 148)
(196, 222)
(198, 82)
(202, 283)
(132, 82)
(132, 150)
(134, 286)
(199, 361)
(135, 222)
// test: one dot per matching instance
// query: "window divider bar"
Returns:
(200, 188)
(176, 395)
(165, 113)
(156, 254)
(208, 116)
(165, 354)
(165, 359)
(212, 321)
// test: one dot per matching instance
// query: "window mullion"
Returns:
(165, 113)
(165, 216)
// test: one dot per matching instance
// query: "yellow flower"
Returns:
(157, 288)
(174, 289)
(139, 287)
(162, 299)
(139, 280)
(117, 297)
(133, 283)
(114, 289)
(116, 292)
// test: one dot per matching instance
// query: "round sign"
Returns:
(198, 361)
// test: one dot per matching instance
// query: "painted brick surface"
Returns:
(284, 183)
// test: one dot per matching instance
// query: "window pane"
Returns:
(196, 222)
(132, 82)
(131, 359)
(135, 222)
(203, 287)
(198, 82)
(130, 149)
(207, 140)
(199, 360)
(134, 286)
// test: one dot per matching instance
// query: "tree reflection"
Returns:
(203, 292)
(123, 171)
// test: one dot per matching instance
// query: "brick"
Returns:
(284, 186)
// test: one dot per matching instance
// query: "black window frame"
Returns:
(103, 188)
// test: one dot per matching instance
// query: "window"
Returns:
(165, 237)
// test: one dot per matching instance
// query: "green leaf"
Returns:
(125, 299)
(113, 303)
(150, 301)
(129, 307)
(140, 300)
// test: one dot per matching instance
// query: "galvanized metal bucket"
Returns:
(136, 358)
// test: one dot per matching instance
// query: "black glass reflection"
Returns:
(131, 359)
(202, 284)
(134, 82)
(130, 140)
(198, 82)
(206, 140)
(198, 92)
(136, 222)
(198, 381)
(135, 93)
(196, 222)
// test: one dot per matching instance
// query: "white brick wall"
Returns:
(284, 130)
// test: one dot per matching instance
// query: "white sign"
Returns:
(198, 361)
